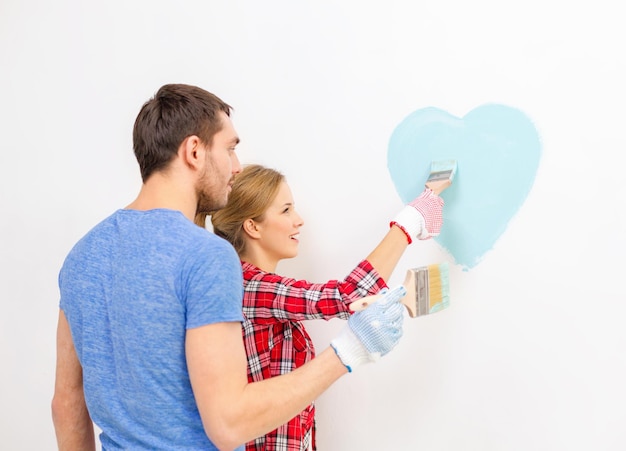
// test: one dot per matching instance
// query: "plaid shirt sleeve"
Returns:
(269, 297)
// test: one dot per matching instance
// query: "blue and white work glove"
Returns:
(373, 332)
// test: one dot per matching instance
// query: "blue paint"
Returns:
(498, 151)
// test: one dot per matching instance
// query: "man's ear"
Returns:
(251, 228)
(192, 152)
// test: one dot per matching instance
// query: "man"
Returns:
(149, 342)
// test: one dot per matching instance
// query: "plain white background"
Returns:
(531, 353)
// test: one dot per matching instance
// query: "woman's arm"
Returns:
(386, 255)
(271, 298)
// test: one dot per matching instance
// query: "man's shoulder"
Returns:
(94, 233)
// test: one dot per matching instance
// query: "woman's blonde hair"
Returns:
(254, 189)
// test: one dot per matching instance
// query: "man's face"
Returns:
(215, 183)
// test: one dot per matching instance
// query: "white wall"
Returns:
(531, 353)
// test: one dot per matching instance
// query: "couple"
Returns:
(149, 340)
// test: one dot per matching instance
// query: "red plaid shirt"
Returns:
(277, 342)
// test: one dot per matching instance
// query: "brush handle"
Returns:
(409, 300)
(437, 186)
(363, 303)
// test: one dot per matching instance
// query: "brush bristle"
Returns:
(438, 287)
(444, 166)
(442, 170)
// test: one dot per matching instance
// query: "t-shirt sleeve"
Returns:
(214, 284)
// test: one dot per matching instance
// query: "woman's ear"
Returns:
(251, 228)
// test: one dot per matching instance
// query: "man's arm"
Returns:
(72, 424)
(233, 411)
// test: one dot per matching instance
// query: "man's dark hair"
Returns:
(176, 112)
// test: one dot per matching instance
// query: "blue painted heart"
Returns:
(497, 149)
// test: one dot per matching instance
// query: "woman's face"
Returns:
(280, 228)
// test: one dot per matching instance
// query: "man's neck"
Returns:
(161, 191)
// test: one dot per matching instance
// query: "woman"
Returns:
(261, 222)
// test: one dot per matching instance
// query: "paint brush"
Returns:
(441, 174)
(427, 291)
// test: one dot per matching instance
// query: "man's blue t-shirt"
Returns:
(130, 289)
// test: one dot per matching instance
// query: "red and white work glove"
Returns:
(421, 218)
